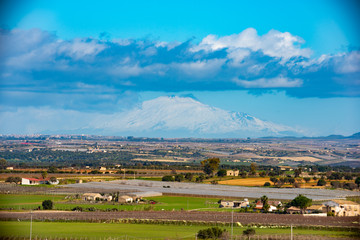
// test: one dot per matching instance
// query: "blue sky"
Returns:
(291, 62)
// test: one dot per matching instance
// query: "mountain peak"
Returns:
(176, 116)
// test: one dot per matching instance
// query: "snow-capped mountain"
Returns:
(186, 117)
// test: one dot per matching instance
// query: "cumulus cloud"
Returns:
(278, 82)
(77, 72)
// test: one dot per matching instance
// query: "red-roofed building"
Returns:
(35, 181)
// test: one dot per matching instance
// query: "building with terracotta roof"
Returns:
(342, 208)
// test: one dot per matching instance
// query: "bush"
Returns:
(167, 178)
(267, 184)
(179, 178)
(330, 214)
(214, 233)
(47, 204)
(350, 186)
(221, 173)
(248, 232)
(321, 182)
(77, 209)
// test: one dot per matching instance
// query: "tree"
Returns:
(167, 178)
(221, 173)
(210, 165)
(44, 174)
(262, 174)
(307, 179)
(189, 176)
(179, 178)
(348, 177)
(3, 163)
(297, 171)
(267, 184)
(47, 204)
(53, 179)
(357, 181)
(273, 179)
(249, 232)
(211, 233)
(264, 199)
(253, 168)
(321, 182)
(301, 202)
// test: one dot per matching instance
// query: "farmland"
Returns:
(168, 203)
(115, 230)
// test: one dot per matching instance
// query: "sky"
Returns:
(63, 63)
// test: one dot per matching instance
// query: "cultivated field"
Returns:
(82, 230)
(221, 191)
(243, 218)
(248, 182)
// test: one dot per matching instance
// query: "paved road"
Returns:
(215, 190)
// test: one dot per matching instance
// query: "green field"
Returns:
(118, 230)
(27, 202)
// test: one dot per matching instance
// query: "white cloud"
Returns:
(348, 63)
(277, 82)
(274, 44)
(200, 69)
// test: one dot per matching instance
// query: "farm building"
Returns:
(234, 173)
(314, 209)
(10, 168)
(272, 205)
(33, 181)
(91, 196)
(125, 199)
(292, 210)
(342, 208)
(234, 204)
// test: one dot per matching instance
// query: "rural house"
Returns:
(33, 181)
(292, 210)
(125, 199)
(342, 208)
(234, 173)
(92, 196)
(234, 204)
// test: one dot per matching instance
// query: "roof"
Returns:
(37, 180)
(314, 207)
(91, 194)
(344, 202)
(292, 208)
(124, 197)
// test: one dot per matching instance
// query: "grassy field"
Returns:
(106, 230)
(27, 202)
(248, 182)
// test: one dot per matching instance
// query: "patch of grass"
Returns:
(113, 230)
(27, 202)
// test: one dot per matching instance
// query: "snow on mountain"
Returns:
(186, 117)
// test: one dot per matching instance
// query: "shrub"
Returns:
(221, 173)
(321, 182)
(350, 186)
(249, 232)
(47, 204)
(167, 178)
(336, 184)
(179, 178)
(307, 179)
(214, 233)
(267, 184)
(77, 209)
(330, 214)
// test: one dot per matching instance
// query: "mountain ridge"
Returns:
(174, 116)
